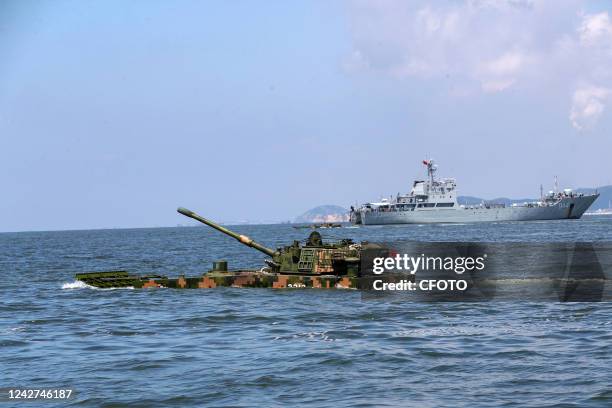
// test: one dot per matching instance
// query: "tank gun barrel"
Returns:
(242, 238)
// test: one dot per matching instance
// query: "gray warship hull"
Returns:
(565, 208)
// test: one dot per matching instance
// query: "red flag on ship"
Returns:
(426, 162)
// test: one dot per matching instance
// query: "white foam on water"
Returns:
(77, 284)
(12, 330)
(123, 287)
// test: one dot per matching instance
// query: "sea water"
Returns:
(265, 347)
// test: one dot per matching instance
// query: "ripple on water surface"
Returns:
(264, 347)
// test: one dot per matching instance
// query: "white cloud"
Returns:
(596, 29)
(588, 104)
(479, 40)
(500, 73)
(496, 85)
(498, 45)
(507, 64)
(592, 52)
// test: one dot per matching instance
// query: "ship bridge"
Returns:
(432, 191)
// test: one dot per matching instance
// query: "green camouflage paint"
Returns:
(313, 265)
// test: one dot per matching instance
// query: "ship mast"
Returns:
(431, 169)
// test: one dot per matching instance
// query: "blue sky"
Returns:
(112, 114)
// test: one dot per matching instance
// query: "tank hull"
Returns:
(215, 279)
(566, 208)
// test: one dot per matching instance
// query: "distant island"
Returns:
(336, 213)
(323, 213)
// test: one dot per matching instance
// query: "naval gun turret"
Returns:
(312, 258)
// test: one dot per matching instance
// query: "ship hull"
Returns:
(566, 208)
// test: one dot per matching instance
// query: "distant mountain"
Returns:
(603, 201)
(324, 213)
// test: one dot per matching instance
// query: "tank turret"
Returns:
(314, 257)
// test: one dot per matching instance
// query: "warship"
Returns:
(435, 201)
(314, 264)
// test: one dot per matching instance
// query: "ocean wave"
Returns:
(77, 284)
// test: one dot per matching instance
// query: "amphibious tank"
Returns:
(314, 264)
